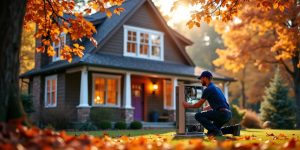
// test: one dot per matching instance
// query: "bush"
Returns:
(49, 126)
(105, 125)
(27, 103)
(251, 120)
(136, 125)
(98, 115)
(237, 115)
(59, 118)
(88, 126)
(120, 125)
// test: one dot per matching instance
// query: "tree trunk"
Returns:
(297, 96)
(11, 23)
(296, 77)
(243, 90)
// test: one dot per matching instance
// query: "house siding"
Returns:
(73, 92)
(144, 18)
(61, 108)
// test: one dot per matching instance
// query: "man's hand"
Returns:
(207, 108)
(185, 104)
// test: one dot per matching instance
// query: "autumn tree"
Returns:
(267, 34)
(27, 49)
(52, 17)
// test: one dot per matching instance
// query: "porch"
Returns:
(126, 95)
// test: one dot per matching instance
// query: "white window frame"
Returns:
(165, 95)
(54, 58)
(95, 75)
(52, 77)
(150, 32)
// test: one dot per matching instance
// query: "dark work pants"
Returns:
(213, 120)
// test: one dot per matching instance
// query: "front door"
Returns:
(137, 100)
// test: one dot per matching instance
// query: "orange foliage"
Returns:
(53, 17)
(21, 137)
(267, 34)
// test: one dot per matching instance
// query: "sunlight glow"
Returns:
(181, 13)
(237, 20)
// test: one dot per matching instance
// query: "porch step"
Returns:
(158, 124)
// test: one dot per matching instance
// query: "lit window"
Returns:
(51, 91)
(168, 95)
(106, 90)
(58, 46)
(143, 43)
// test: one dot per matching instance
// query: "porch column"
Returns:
(83, 109)
(127, 112)
(226, 90)
(84, 89)
(174, 83)
(127, 91)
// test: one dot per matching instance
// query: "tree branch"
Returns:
(55, 12)
(285, 66)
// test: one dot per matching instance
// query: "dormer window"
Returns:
(58, 46)
(143, 43)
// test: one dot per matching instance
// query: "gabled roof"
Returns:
(111, 25)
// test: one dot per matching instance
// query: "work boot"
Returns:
(234, 130)
(214, 133)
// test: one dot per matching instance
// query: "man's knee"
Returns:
(199, 117)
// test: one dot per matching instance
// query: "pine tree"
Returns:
(276, 106)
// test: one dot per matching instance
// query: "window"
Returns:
(168, 95)
(51, 91)
(106, 90)
(58, 46)
(143, 43)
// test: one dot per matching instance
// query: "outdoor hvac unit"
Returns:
(186, 124)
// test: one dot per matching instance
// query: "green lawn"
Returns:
(247, 136)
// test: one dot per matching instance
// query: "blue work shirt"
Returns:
(215, 97)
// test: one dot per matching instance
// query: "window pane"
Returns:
(53, 92)
(53, 100)
(53, 85)
(155, 51)
(144, 49)
(99, 88)
(155, 39)
(48, 85)
(131, 47)
(169, 94)
(57, 53)
(112, 91)
(48, 102)
(62, 40)
(131, 36)
(144, 39)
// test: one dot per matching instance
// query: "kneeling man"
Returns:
(217, 113)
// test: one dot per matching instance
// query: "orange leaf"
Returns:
(290, 144)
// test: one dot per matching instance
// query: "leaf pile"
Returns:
(22, 137)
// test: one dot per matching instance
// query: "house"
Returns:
(133, 71)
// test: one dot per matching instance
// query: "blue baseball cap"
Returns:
(205, 74)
